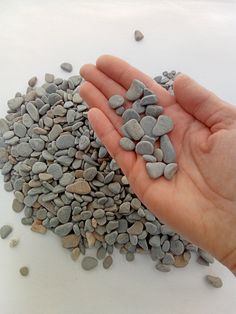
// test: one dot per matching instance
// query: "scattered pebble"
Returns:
(89, 263)
(138, 35)
(66, 67)
(216, 282)
(75, 253)
(107, 262)
(5, 231)
(24, 271)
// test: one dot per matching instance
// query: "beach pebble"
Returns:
(169, 155)
(24, 271)
(101, 253)
(63, 214)
(168, 259)
(75, 253)
(155, 241)
(49, 78)
(107, 262)
(163, 125)
(24, 149)
(176, 247)
(144, 148)
(206, 256)
(147, 123)
(136, 228)
(15, 103)
(66, 67)
(32, 111)
(116, 101)
(84, 142)
(55, 170)
(135, 91)
(129, 256)
(133, 128)
(64, 229)
(155, 169)
(170, 170)
(154, 110)
(70, 241)
(149, 100)
(216, 282)
(149, 158)
(163, 268)
(138, 35)
(5, 231)
(127, 144)
(89, 263)
(130, 114)
(65, 141)
(158, 154)
(39, 167)
(32, 82)
(79, 187)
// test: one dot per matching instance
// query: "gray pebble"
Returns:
(138, 35)
(19, 129)
(39, 167)
(67, 179)
(155, 241)
(149, 100)
(216, 282)
(176, 247)
(134, 129)
(101, 253)
(124, 208)
(24, 271)
(163, 268)
(89, 263)
(84, 142)
(122, 238)
(6, 168)
(55, 132)
(155, 169)
(98, 213)
(163, 125)
(64, 229)
(32, 111)
(107, 262)
(135, 91)
(49, 78)
(8, 135)
(130, 114)
(149, 158)
(137, 107)
(206, 256)
(116, 101)
(17, 206)
(63, 214)
(65, 141)
(168, 259)
(129, 257)
(41, 214)
(154, 111)
(169, 155)
(5, 231)
(55, 170)
(15, 103)
(135, 203)
(127, 144)
(120, 110)
(32, 82)
(110, 238)
(114, 187)
(147, 123)
(158, 154)
(90, 173)
(24, 149)
(166, 246)
(151, 228)
(37, 144)
(170, 170)
(66, 67)
(144, 148)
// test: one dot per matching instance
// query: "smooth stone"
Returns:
(63, 214)
(79, 187)
(53, 98)
(206, 256)
(55, 170)
(32, 111)
(51, 88)
(3, 126)
(90, 173)
(124, 208)
(15, 103)
(59, 111)
(138, 35)
(5, 231)
(32, 82)
(40, 91)
(163, 125)
(89, 263)
(37, 144)
(137, 107)
(168, 259)
(147, 92)
(116, 101)
(176, 247)
(134, 129)
(147, 123)
(127, 144)
(102, 152)
(70, 116)
(49, 78)
(65, 141)
(66, 66)
(135, 91)
(112, 225)
(216, 282)
(170, 170)
(156, 253)
(8, 135)
(55, 132)
(39, 167)
(68, 104)
(166, 246)
(24, 149)
(75, 253)
(24, 271)
(135, 203)
(41, 214)
(158, 79)
(27, 120)
(154, 111)
(150, 139)
(144, 148)
(129, 256)
(6, 168)
(19, 129)
(114, 187)
(136, 228)
(70, 241)
(66, 179)
(163, 268)
(169, 155)
(130, 114)
(84, 142)
(151, 228)
(155, 241)
(101, 253)
(17, 206)
(158, 154)
(77, 99)
(98, 213)
(64, 229)
(107, 262)
(149, 158)
(149, 100)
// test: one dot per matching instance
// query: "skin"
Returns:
(200, 201)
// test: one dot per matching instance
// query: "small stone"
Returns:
(32, 82)
(135, 203)
(24, 271)
(79, 187)
(70, 241)
(149, 158)
(90, 173)
(136, 228)
(147, 123)
(101, 253)
(63, 214)
(37, 144)
(17, 206)
(138, 35)
(5, 231)
(24, 149)
(110, 238)
(201, 261)
(170, 170)
(55, 132)
(116, 101)
(133, 128)
(66, 179)
(163, 125)
(154, 111)
(89, 263)
(75, 253)
(168, 259)
(149, 100)
(127, 144)
(99, 213)
(130, 114)
(55, 170)
(176, 247)
(64, 229)
(155, 241)
(77, 99)
(39, 167)
(32, 111)
(163, 268)
(144, 148)
(216, 282)
(36, 227)
(84, 142)
(129, 257)
(49, 78)
(122, 238)
(135, 91)
(169, 155)
(107, 262)
(206, 256)
(180, 261)
(15, 103)
(66, 67)
(125, 208)
(65, 141)
(155, 169)
(137, 106)
(158, 154)
(151, 228)
(166, 246)
(41, 213)
(13, 243)
(114, 187)
(112, 225)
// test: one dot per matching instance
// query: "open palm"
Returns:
(200, 201)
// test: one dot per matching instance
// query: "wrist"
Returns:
(229, 260)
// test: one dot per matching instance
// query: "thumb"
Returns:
(201, 103)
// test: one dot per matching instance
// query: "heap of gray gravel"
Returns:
(65, 181)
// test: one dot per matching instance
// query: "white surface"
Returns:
(36, 36)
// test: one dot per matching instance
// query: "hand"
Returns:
(200, 201)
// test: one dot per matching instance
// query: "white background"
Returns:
(195, 37)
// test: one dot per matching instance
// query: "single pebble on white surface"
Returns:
(138, 35)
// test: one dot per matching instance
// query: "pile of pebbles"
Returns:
(143, 127)
(65, 181)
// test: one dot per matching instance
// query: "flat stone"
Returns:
(6, 168)
(77, 99)
(163, 268)
(130, 114)
(137, 107)
(144, 148)
(19, 129)
(163, 125)
(17, 206)
(55, 170)
(116, 101)
(53, 98)
(147, 123)
(79, 187)
(24, 149)
(112, 225)
(65, 141)
(5, 231)
(55, 132)
(70, 241)
(49, 78)
(32, 82)
(39, 167)
(90, 173)
(170, 170)
(3, 127)
(51, 88)
(37, 144)
(45, 176)
(32, 111)
(127, 144)
(67, 179)
(64, 229)
(134, 129)
(27, 120)
(66, 66)
(101, 253)
(149, 100)
(154, 110)
(216, 282)
(15, 103)
(168, 259)
(136, 228)
(180, 261)
(8, 135)
(138, 35)
(151, 228)
(38, 228)
(129, 256)
(206, 256)
(63, 214)
(24, 271)
(89, 263)
(135, 91)
(149, 158)
(114, 187)
(122, 238)
(107, 262)
(75, 253)
(155, 169)
(169, 155)
(110, 238)
(155, 241)
(124, 208)
(176, 247)
(135, 203)
(59, 111)
(84, 142)
(158, 154)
